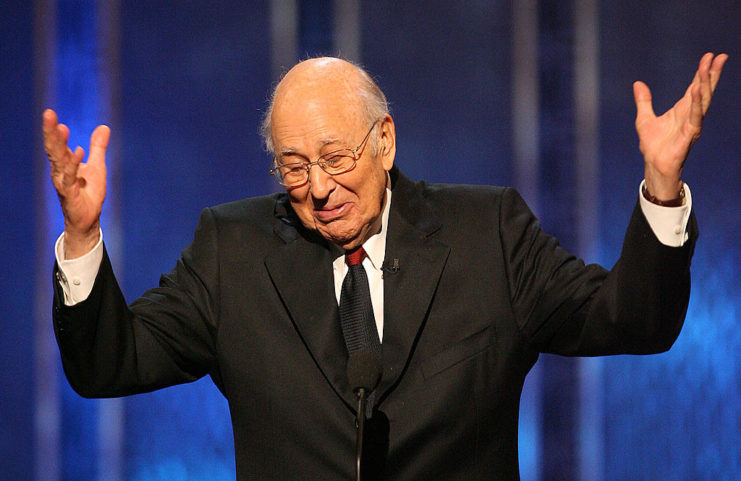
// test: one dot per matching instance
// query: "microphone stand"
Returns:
(360, 424)
(363, 374)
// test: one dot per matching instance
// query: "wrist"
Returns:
(662, 184)
(677, 201)
(77, 244)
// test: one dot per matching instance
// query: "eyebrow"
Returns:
(321, 143)
(330, 140)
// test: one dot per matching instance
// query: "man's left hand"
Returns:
(665, 141)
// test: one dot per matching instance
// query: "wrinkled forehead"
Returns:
(319, 112)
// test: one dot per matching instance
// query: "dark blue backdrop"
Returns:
(193, 78)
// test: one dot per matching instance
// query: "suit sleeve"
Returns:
(564, 307)
(165, 337)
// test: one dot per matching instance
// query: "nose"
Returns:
(321, 184)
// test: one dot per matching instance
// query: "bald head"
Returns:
(318, 79)
(319, 72)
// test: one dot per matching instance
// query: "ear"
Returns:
(387, 142)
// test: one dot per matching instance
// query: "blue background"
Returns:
(194, 77)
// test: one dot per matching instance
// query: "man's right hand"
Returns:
(81, 187)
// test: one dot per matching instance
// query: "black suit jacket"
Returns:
(479, 293)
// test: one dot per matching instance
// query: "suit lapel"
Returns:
(409, 291)
(301, 271)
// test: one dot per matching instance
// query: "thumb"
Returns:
(644, 107)
(98, 143)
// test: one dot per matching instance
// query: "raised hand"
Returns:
(665, 141)
(80, 186)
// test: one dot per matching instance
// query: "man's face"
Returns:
(307, 123)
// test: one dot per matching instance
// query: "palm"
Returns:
(83, 198)
(665, 141)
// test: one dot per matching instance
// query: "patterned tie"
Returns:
(356, 310)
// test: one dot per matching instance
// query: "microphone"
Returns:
(363, 375)
(391, 266)
(363, 370)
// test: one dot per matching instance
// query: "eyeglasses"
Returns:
(295, 174)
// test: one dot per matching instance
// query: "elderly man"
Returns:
(462, 290)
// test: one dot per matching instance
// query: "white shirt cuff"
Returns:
(77, 276)
(669, 224)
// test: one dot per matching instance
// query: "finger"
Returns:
(48, 121)
(705, 91)
(703, 64)
(61, 158)
(58, 151)
(63, 133)
(706, 60)
(98, 144)
(69, 169)
(697, 110)
(716, 68)
(644, 107)
(64, 174)
(54, 142)
(78, 154)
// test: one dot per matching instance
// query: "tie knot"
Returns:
(355, 257)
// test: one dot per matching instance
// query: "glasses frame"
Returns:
(321, 162)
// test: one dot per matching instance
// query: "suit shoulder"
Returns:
(465, 195)
(255, 208)
(422, 194)
(461, 190)
(249, 219)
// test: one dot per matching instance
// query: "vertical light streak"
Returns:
(590, 434)
(47, 435)
(525, 132)
(284, 25)
(110, 422)
(525, 100)
(87, 63)
(347, 38)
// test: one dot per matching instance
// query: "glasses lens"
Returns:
(338, 162)
(291, 174)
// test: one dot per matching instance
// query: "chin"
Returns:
(342, 240)
(341, 237)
